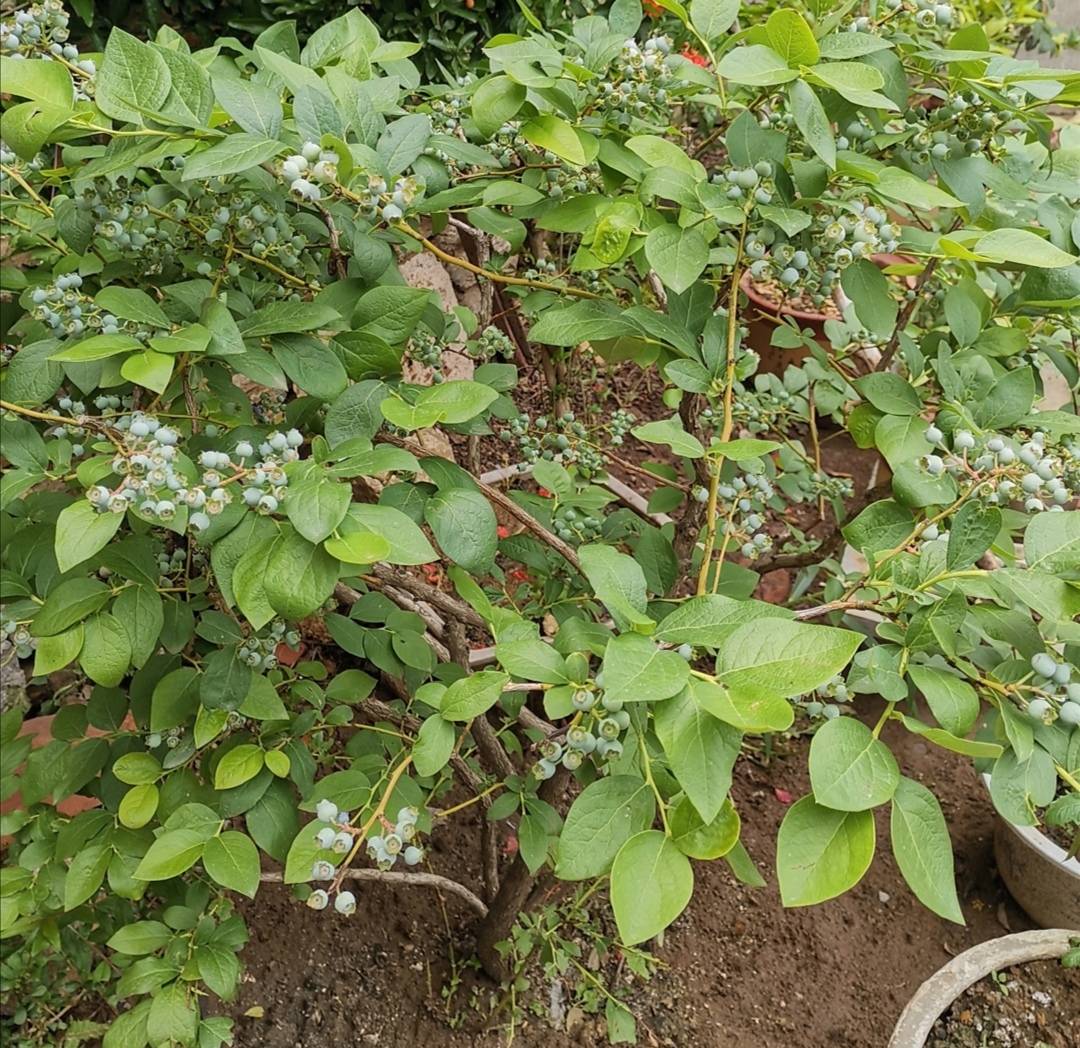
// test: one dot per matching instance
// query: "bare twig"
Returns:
(422, 880)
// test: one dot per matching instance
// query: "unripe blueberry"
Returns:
(685, 651)
(1038, 709)
(1062, 673)
(1069, 714)
(830, 712)
(1072, 691)
(1043, 664)
(341, 843)
(318, 899)
(325, 837)
(934, 435)
(326, 811)
(963, 440)
(322, 870)
(934, 465)
(931, 532)
(413, 855)
(543, 769)
(345, 903)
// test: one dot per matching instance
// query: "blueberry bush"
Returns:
(286, 635)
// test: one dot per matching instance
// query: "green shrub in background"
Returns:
(212, 436)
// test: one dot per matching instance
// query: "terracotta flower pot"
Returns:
(764, 315)
(935, 996)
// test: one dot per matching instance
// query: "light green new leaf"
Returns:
(604, 816)
(923, 851)
(651, 883)
(232, 860)
(471, 696)
(850, 769)
(821, 853)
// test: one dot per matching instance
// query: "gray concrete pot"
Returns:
(1038, 874)
(947, 983)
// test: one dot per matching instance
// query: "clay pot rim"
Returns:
(769, 307)
(938, 993)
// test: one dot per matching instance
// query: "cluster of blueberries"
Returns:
(258, 651)
(154, 485)
(378, 201)
(64, 308)
(595, 733)
(1055, 680)
(1006, 471)
(746, 496)
(203, 223)
(41, 31)
(565, 439)
(20, 638)
(812, 263)
(826, 698)
(638, 83)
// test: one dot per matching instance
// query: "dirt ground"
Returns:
(737, 968)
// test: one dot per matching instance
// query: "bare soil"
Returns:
(736, 968)
(1031, 1006)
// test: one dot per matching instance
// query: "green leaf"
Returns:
(923, 851)
(225, 680)
(603, 817)
(709, 619)
(897, 184)
(141, 612)
(701, 840)
(67, 604)
(133, 79)
(953, 702)
(316, 505)
(670, 431)
(232, 860)
(149, 369)
(248, 581)
(552, 133)
(531, 659)
(130, 303)
(138, 805)
(85, 874)
(140, 938)
(756, 710)
(137, 768)
(81, 532)
(618, 581)
(173, 1018)
(433, 746)
(391, 312)
(888, 392)
(299, 577)
(254, 106)
(472, 696)
(170, 855)
(881, 526)
(282, 318)
(812, 121)
(877, 309)
(972, 530)
(240, 764)
(407, 543)
(37, 79)
(97, 347)
(496, 101)
(677, 256)
(1023, 248)
(1052, 543)
(700, 749)
(821, 853)
(784, 657)
(713, 18)
(581, 322)
(234, 153)
(403, 141)
(651, 883)
(637, 670)
(851, 769)
(756, 65)
(1009, 400)
(464, 525)
(106, 651)
(219, 968)
(855, 81)
(457, 401)
(791, 38)
(56, 652)
(359, 547)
